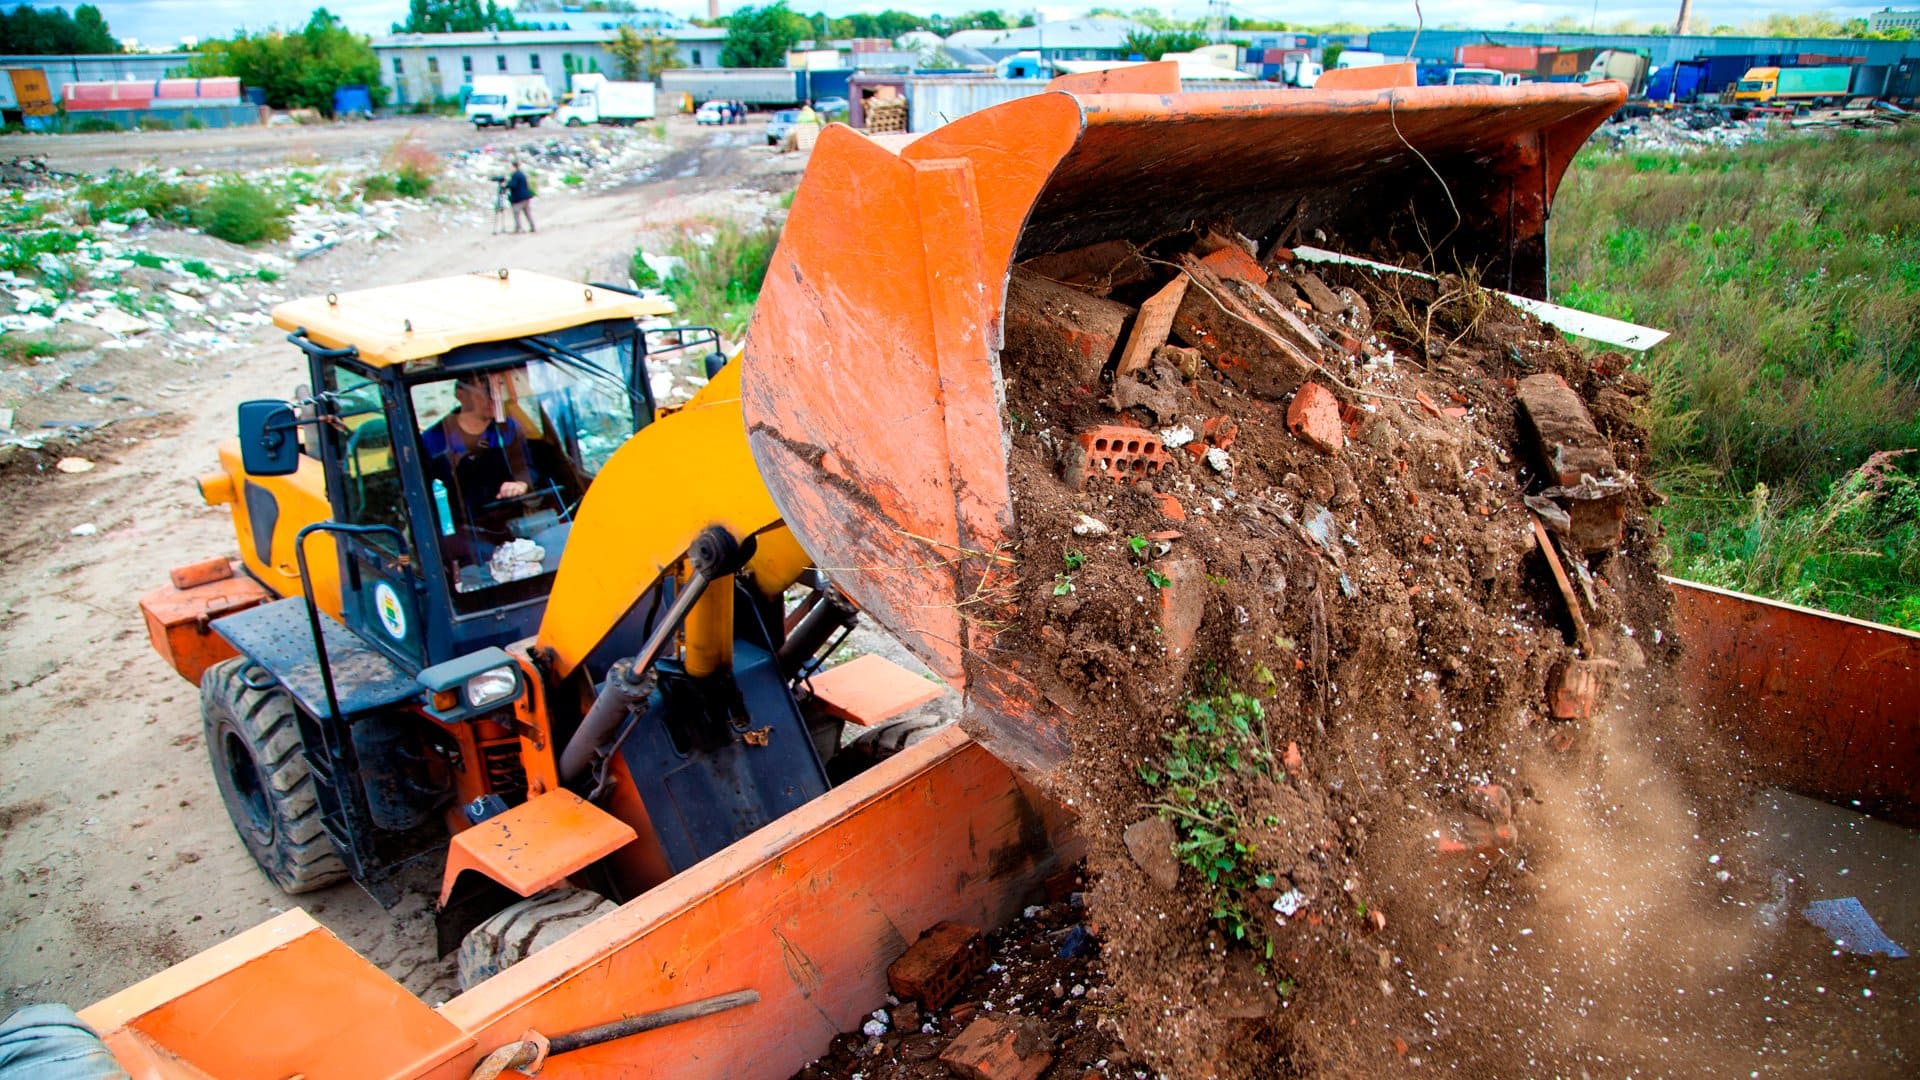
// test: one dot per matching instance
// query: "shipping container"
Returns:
(1903, 82)
(755, 86)
(24, 90)
(1678, 82)
(1870, 80)
(1523, 59)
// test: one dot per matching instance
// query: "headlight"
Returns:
(491, 686)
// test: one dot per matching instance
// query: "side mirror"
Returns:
(267, 443)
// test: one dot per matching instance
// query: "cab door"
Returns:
(381, 588)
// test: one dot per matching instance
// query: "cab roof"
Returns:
(393, 324)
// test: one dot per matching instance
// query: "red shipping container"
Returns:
(1515, 58)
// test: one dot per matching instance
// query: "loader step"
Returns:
(871, 690)
(278, 637)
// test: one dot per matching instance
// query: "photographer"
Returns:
(519, 195)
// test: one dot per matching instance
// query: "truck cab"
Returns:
(1758, 86)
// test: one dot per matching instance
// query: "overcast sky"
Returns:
(169, 20)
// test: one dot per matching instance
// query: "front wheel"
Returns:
(260, 767)
(524, 928)
(576, 122)
(533, 122)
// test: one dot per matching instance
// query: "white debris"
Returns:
(1174, 438)
(1289, 902)
(73, 465)
(1217, 459)
(87, 529)
(1090, 526)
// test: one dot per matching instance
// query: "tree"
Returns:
(300, 70)
(643, 56)
(760, 37)
(28, 31)
(455, 17)
(1161, 42)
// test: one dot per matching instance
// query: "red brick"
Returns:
(1481, 839)
(1170, 507)
(1325, 300)
(1490, 802)
(1243, 332)
(1314, 417)
(1232, 261)
(1098, 268)
(1576, 687)
(1001, 1047)
(1182, 601)
(1565, 442)
(935, 967)
(1062, 326)
(1221, 431)
(1115, 452)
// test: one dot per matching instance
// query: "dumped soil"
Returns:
(1349, 593)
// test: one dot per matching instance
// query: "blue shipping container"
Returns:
(348, 100)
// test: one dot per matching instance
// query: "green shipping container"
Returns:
(1827, 81)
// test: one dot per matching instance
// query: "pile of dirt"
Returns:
(1344, 581)
(1307, 634)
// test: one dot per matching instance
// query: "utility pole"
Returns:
(1686, 16)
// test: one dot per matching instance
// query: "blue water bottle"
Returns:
(442, 507)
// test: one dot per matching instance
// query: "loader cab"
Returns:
(457, 424)
(479, 459)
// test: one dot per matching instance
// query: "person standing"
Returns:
(520, 197)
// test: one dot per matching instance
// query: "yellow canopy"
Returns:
(397, 323)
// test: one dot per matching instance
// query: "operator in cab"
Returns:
(479, 450)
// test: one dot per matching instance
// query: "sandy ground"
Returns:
(116, 855)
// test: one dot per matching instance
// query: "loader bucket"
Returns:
(872, 386)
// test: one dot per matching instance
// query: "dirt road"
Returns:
(116, 856)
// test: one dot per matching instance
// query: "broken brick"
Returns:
(1576, 687)
(934, 968)
(1170, 507)
(1182, 601)
(1114, 451)
(1314, 417)
(1000, 1047)
(1475, 838)
(1062, 326)
(1232, 261)
(1490, 802)
(1097, 268)
(1151, 326)
(1566, 444)
(1150, 842)
(1221, 431)
(1325, 300)
(1242, 332)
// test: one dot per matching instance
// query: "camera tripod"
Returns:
(499, 206)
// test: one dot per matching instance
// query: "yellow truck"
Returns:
(1823, 85)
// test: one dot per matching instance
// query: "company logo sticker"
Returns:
(392, 616)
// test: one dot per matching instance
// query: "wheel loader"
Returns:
(855, 447)
(370, 679)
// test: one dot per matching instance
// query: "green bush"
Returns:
(240, 213)
(19, 252)
(153, 123)
(377, 186)
(412, 182)
(94, 125)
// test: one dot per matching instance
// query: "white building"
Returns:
(1888, 19)
(418, 68)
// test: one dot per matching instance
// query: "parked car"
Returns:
(712, 112)
(781, 125)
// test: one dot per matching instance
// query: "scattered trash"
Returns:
(87, 529)
(1846, 920)
(74, 465)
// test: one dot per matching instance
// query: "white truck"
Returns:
(597, 99)
(1300, 69)
(506, 100)
(1353, 58)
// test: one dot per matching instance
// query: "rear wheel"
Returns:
(520, 930)
(253, 740)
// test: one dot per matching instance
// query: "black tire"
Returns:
(876, 745)
(524, 928)
(254, 743)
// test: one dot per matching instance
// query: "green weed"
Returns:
(1210, 760)
(25, 352)
(116, 196)
(241, 213)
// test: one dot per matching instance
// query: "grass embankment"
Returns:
(1789, 273)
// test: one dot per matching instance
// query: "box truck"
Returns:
(506, 100)
(597, 99)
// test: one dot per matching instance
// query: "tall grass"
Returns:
(721, 266)
(1789, 272)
